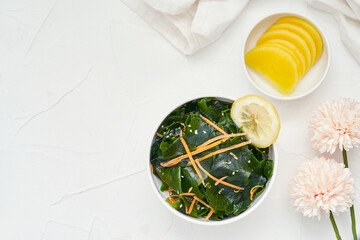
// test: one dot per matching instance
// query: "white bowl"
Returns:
(156, 183)
(312, 79)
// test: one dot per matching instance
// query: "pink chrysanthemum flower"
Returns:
(322, 184)
(336, 123)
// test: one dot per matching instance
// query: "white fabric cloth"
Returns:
(347, 14)
(188, 24)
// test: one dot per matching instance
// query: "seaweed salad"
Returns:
(206, 163)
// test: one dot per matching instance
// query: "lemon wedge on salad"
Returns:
(258, 117)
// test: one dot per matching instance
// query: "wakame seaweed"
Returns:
(248, 166)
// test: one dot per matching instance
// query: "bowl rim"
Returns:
(300, 15)
(251, 208)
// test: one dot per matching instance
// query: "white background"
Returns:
(83, 84)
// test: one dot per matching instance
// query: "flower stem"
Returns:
(353, 224)
(345, 158)
(352, 210)
(336, 230)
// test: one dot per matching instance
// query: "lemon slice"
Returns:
(258, 117)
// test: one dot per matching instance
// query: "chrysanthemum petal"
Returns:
(322, 185)
(336, 124)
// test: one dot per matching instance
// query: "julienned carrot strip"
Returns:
(187, 194)
(205, 144)
(191, 206)
(223, 178)
(202, 202)
(192, 160)
(213, 124)
(224, 150)
(181, 130)
(184, 127)
(226, 136)
(175, 161)
(203, 147)
(159, 135)
(253, 190)
(216, 179)
(209, 215)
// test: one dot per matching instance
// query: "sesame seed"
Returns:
(249, 161)
(182, 176)
(233, 173)
(196, 131)
(204, 131)
(181, 205)
(190, 130)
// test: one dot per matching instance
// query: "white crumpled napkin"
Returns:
(347, 14)
(188, 24)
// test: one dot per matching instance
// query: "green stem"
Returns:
(345, 158)
(352, 210)
(336, 230)
(353, 224)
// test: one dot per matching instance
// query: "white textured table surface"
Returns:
(83, 84)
